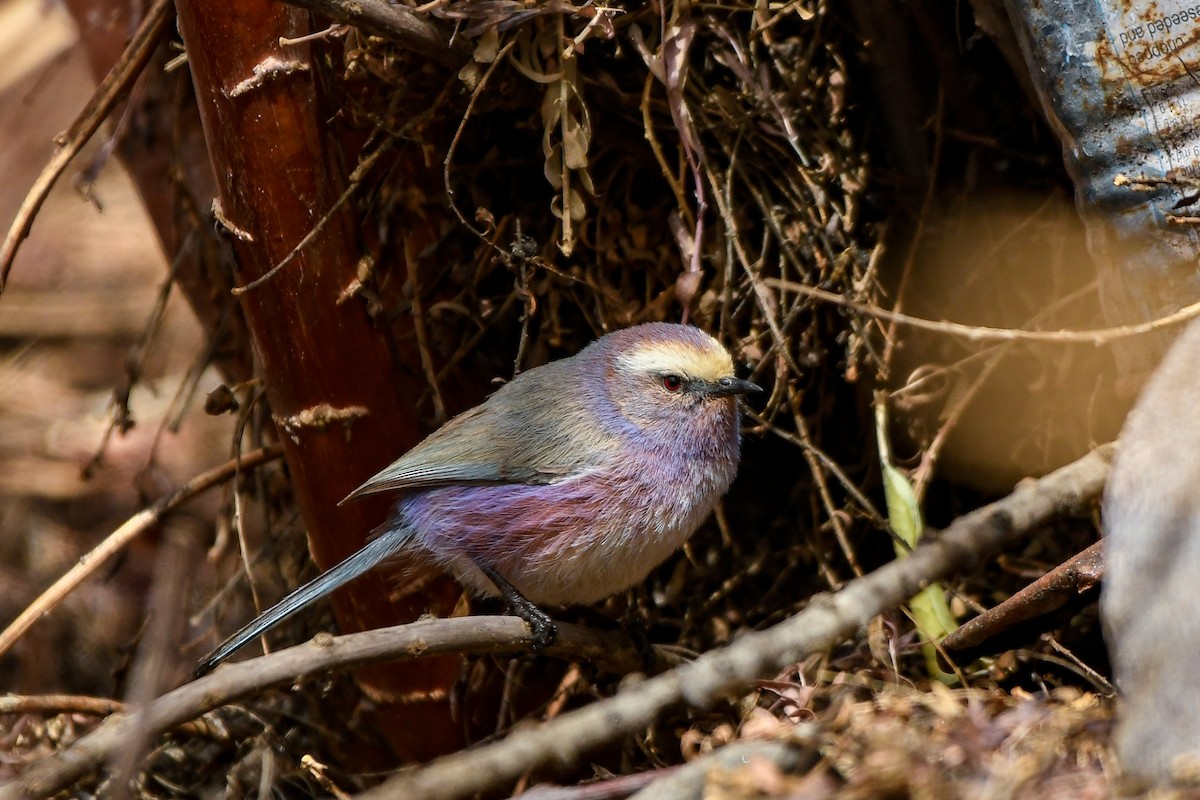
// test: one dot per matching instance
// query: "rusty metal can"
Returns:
(1119, 81)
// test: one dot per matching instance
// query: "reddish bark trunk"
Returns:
(277, 175)
(329, 373)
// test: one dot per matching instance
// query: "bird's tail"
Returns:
(365, 559)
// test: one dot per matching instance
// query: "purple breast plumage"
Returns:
(579, 539)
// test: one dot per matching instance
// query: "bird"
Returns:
(567, 485)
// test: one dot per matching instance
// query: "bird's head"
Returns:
(673, 381)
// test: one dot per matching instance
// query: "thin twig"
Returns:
(355, 182)
(814, 467)
(107, 94)
(924, 472)
(448, 161)
(864, 503)
(116, 541)
(757, 283)
(119, 414)
(238, 515)
(59, 704)
(395, 22)
(983, 333)
(656, 147)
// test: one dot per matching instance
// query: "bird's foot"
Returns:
(540, 625)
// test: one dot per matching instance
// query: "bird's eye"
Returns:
(672, 383)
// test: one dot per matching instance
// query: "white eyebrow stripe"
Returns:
(709, 365)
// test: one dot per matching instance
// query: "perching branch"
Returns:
(611, 651)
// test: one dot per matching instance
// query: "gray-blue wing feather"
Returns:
(527, 432)
(467, 449)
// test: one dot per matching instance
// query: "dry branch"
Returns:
(611, 651)
(58, 704)
(1066, 582)
(985, 333)
(111, 90)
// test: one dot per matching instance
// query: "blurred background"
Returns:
(92, 422)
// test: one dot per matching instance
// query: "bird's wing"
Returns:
(449, 455)
(471, 448)
(539, 428)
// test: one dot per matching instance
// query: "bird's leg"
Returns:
(540, 625)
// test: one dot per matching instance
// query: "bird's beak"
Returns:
(728, 387)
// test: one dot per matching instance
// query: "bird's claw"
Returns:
(544, 631)
(540, 625)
